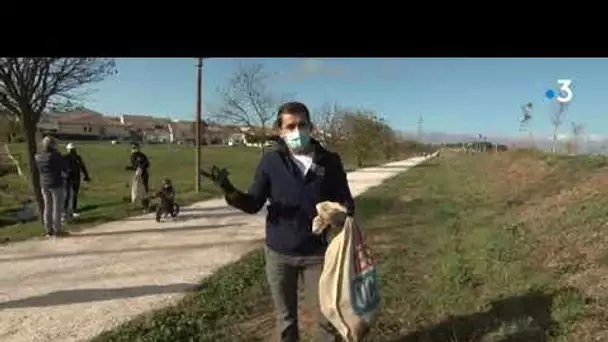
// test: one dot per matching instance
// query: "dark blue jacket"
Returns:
(51, 166)
(139, 159)
(293, 198)
(75, 166)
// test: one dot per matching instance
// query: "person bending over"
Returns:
(166, 193)
(140, 160)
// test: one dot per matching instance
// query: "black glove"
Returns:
(219, 177)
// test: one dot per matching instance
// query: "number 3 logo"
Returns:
(565, 89)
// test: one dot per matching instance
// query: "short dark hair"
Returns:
(297, 108)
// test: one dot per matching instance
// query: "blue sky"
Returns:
(454, 95)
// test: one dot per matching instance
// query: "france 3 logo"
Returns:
(564, 94)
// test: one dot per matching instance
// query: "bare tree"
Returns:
(557, 118)
(577, 131)
(524, 121)
(329, 121)
(29, 86)
(246, 98)
(526, 114)
(420, 133)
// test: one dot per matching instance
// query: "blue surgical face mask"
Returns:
(297, 139)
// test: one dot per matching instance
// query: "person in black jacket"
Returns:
(75, 170)
(294, 177)
(52, 170)
(140, 160)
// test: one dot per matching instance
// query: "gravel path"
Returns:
(71, 289)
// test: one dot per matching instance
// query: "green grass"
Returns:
(104, 199)
(460, 260)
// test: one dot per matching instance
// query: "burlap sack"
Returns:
(349, 287)
(328, 214)
(138, 192)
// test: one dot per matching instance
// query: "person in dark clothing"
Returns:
(294, 177)
(140, 160)
(75, 170)
(167, 199)
(52, 169)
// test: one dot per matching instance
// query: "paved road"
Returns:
(72, 289)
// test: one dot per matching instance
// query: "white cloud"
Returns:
(597, 137)
(589, 137)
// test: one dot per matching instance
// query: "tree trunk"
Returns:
(30, 137)
(359, 160)
(553, 148)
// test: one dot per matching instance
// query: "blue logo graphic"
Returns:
(365, 292)
(564, 94)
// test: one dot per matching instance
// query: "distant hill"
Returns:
(594, 143)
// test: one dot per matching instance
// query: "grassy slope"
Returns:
(470, 248)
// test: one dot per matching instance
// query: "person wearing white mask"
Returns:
(293, 177)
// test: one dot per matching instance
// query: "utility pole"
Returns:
(199, 100)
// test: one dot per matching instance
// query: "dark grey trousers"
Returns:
(283, 272)
(53, 207)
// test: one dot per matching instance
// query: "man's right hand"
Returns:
(219, 177)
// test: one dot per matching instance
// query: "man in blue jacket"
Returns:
(294, 177)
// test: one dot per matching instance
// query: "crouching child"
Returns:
(167, 205)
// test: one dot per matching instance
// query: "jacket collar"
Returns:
(318, 154)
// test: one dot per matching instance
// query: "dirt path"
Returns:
(72, 289)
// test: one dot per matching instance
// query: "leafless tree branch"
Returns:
(329, 121)
(29, 86)
(557, 118)
(577, 132)
(246, 98)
